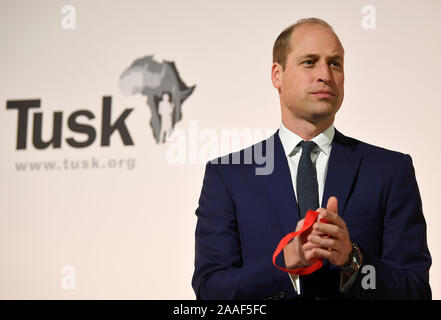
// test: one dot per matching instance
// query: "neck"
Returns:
(306, 129)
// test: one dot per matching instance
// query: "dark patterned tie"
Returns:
(307, 186)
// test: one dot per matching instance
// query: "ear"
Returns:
(277, 75)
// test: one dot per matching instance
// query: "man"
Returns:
(370, 216)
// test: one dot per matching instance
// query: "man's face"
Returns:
(315, 63)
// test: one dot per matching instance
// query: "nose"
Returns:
(324, 73)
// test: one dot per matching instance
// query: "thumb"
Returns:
(300, 224)
(332, 204)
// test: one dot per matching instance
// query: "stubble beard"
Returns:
(319, 111)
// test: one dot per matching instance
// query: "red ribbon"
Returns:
(310, 219)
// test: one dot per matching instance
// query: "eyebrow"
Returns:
(316, 56)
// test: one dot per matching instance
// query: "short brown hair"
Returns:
(281, 47)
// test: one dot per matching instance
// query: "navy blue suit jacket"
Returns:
(242, 217)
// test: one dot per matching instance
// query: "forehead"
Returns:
(315, 38)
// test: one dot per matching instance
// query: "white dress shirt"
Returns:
(320, 158)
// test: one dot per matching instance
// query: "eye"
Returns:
(336, 64)
(308, 62)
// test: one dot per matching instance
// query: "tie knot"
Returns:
(307, 146)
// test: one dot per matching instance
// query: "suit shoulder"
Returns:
(377, 151)
(374, 152)
(363, 146)
(374, 156)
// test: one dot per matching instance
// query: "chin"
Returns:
(321, 113)
(319, 118)
(322, 108)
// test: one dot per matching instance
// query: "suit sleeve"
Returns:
(220, 272)
(402, 269)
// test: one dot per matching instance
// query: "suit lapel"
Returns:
(343, 166)
(280, 189)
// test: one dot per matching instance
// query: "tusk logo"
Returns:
(164, 89)
(159, 82)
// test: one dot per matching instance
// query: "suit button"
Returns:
(281, 295)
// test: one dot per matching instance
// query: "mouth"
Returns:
(323, 94)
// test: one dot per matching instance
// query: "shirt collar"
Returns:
(290, 140)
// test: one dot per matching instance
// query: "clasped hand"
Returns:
(325, 240)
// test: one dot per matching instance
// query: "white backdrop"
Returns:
(121, 225)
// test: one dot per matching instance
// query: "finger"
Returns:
(309, 246)
(323, 253)
(330, 217)
(323, 242)
(318, 233)
(331, 230)
(311, 255)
